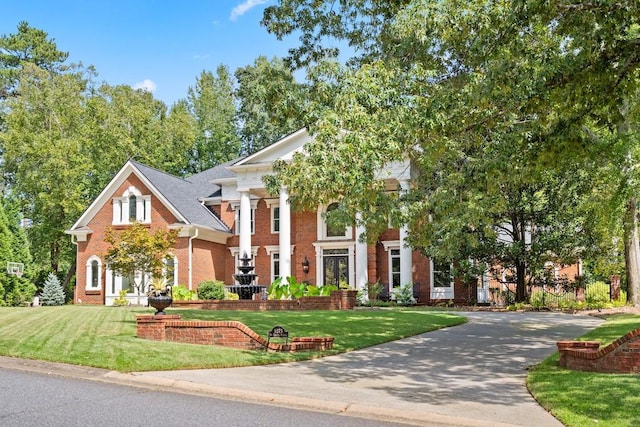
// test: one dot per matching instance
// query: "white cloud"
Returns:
(243, 8)
(147, 85)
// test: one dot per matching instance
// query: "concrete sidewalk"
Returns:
(468, 375)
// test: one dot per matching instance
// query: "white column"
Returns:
(285, 233)
(362, 270)
(406, 261)
(245, 224)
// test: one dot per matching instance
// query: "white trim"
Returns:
(391, 244)
(276, 248)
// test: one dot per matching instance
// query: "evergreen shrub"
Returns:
(211, 289)
(52, 293)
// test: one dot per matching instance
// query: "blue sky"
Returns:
(162, 45)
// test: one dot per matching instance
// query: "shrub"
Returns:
(404, 294)
(122, 300)
(622, 300)
(292, 289)
(231, 296)
(181, 293)
(211, 289)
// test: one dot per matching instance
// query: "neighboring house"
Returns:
(225, 212)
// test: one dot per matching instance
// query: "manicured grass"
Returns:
(105, 337)
(585, 398)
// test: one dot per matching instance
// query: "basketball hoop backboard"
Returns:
(15, 268)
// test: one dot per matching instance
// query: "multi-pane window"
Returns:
(253, 223)
(275, 266)
(275, 219)
(394, 270)
(442, 274)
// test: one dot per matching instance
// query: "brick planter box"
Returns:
(338, 300)
(620, 357)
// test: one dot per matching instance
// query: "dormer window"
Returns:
(131, 207)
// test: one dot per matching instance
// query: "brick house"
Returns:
(225, 212)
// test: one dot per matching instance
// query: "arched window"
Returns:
(330, 227)
(333, 229)
(133, 208)
(94, 274)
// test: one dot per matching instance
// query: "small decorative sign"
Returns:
(278, 332)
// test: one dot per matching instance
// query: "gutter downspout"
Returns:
(191, 258)
(74, 240)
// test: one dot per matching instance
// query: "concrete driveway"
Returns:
(468, 375)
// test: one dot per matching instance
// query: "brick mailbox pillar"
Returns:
(615, 287)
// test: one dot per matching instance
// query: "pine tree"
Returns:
(52, 294)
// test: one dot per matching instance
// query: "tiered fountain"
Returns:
(245, 278)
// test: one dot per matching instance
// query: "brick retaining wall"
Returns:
(224, 333)
(338, 300)
(620, 357)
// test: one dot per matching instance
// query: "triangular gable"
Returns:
(282, 149)
(108, 193)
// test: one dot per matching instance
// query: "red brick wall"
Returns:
(620, 357)
(225, 333)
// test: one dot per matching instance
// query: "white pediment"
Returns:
(280, 150)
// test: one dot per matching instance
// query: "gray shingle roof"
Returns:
(184, 194)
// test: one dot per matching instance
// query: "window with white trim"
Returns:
(132, 207)
(275, 219)
(329, 231)
(275, 266)
(253, 222)
(170, 270)
(94, 273)
(394, 268)
(442, 277)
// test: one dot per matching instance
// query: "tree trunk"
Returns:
(69, 275)
(632, 252)
(521, 295)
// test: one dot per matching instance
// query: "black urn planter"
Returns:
(159, 302)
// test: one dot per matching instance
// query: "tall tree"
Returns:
(28, 45)
(44, 157)
(452, 81)
(14, 290)
(272, 103)
(212, 104)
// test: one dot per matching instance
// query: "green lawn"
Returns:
(105, 337)
(585, 398)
